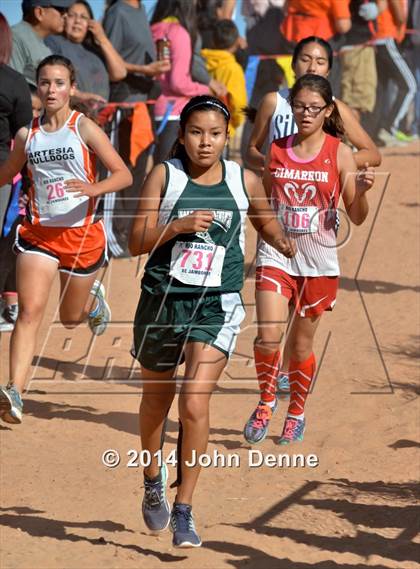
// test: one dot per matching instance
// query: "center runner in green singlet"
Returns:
(191, 219)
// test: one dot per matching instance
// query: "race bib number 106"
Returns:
(300, 219)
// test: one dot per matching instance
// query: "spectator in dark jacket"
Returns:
(15, 112)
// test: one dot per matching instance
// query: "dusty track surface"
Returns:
(61, 508)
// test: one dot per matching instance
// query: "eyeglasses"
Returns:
(313, 111)
(74, 16)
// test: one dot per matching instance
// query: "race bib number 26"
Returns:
(198, 264)
(53, 198)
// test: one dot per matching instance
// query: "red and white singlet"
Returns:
(305, 195)
(53, 158)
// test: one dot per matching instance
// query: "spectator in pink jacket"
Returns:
(175, 20)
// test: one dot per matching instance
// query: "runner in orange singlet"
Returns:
(60, 231)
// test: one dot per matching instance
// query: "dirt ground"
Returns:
(61, 508)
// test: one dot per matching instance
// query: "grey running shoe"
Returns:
(11, 406)
(101, 315)
(183, 528)
(283, 385)
(155, 506)
(256, 428)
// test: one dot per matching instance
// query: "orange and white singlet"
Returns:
(54, 158)
(305, 195)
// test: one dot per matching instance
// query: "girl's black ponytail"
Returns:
(178, 151)
(334, 123)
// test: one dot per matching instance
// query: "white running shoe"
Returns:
(11, 406)
(101, 315)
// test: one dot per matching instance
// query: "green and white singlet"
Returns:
(203, 262)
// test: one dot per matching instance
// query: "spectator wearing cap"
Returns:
(85, 43)
(40, 18)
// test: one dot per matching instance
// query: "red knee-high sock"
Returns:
(300, 378)
(267, 366)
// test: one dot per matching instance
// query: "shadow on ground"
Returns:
(120, 421)
(399, 511)
(37, 526)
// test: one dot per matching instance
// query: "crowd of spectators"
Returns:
(137, 91)
(116, 60)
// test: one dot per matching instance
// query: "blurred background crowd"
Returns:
(139, 62)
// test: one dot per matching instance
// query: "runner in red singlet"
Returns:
(305, 175)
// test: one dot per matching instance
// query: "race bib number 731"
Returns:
(198, 264)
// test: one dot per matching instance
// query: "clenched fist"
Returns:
(286, 246)
(365, 179)
(199, 220)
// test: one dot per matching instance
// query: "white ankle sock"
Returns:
(301, 416)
